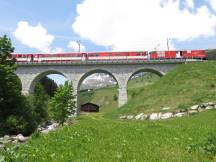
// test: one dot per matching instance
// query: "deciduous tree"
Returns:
(62, 105)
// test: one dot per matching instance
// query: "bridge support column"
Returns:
(122, 83)
(26, 81)
(75, 81)
(122, 99)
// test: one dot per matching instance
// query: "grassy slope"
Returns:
(94, 139)
(182, 87)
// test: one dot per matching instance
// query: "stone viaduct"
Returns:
(31, 73)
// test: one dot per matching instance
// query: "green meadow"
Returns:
(103, 137)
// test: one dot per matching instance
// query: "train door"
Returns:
(179, 54)
(28, 57)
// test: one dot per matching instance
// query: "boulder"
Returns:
(200, 109)
(192, 112)
(137, 117)
(179, 114)
(130, 117)
(52, 126)
(166, 115)
(194, 107)
(144, 117)
(209, 107)
(21, 138)
(210, 103)
(155, 116)
(6, 137)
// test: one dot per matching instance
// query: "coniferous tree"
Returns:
(15, 112)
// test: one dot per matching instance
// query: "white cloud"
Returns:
(34, 36)
(57, 50)
(213, 4)
(189, 3)
(75, 47)
(141, 24)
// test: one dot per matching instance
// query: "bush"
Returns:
(21, 120)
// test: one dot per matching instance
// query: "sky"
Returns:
(54, 26)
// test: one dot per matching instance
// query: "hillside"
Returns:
(186, 85)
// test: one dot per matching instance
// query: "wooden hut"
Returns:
(89, 107)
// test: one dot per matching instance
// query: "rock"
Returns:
(1, 146)
(155, 116)
(6, 137)
(192, 112)
(137, 117)
(52, 126)
(210, 103)
(179, 114)
(130, 117)
(200, 109)
(165, 108)
(15, 141)
(194, 107)
(21, 138)
(204, 105)
(209, 107)
(215, 106)
(141, 116)
(6, 141)
(123, 117)
(166, 115)
(144, 117)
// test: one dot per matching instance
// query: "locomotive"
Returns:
(110, 56)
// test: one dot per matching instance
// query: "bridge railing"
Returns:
(109, 62)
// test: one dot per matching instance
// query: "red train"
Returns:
(109, 56)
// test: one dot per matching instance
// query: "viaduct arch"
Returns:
(30, 74)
